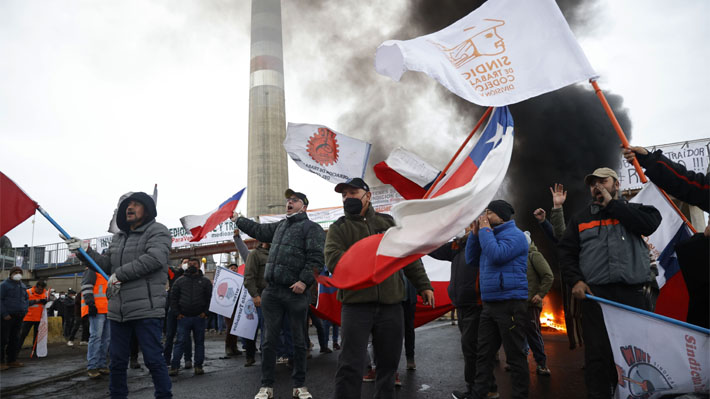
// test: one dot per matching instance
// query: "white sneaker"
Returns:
(265, 393)
(83, 343)
(301, 393)
(70, 343)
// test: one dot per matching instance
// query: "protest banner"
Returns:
(225, 291)
(246, 318)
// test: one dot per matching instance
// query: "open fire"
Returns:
(550, 320)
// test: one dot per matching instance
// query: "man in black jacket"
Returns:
(190, 298)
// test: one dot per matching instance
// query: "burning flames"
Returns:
(548, 319)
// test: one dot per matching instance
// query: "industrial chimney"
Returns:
(268, 170)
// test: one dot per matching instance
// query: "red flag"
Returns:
(15, 205)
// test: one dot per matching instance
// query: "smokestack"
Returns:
(268, 170)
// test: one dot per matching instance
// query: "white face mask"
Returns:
(17, 276)
(184, 266)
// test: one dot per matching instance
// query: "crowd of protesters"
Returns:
(498, 282)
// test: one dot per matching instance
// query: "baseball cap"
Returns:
(290, 193)
(355, 182)
(601, 173)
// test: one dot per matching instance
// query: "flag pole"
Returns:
(617, 127)
(470, 135)
(91, 261)
(649, 314)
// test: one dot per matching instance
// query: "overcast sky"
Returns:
(98, 98)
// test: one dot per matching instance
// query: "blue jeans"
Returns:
(99, 337)
(327, 324)
(277, 301)
(148, 332)
(220, 323)
(185, 325)
(170, 333)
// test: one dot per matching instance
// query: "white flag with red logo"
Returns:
(654, 357)
(504, 52)
(325, 152)
(40, 348)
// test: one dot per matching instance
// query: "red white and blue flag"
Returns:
(673, 299)
(424, 225)
(410, 175)
(200, 225)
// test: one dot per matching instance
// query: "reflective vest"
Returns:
(100, 300)
(34, 313)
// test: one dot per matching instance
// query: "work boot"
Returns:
(94, 374)
(229, 351)
(173, 372)
(411, 365)
(249, 362)
(265, 393)
(188, 364)
(542, 370)
(104, 371)
(199, 370)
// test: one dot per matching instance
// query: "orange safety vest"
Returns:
(34, 313)
(100, 300)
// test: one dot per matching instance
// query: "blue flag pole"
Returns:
(93, 264)
(650, 314)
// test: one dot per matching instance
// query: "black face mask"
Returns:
(352, 206)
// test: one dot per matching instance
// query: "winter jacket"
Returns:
(254, 271)
(502, 254)
(540, 275)
(191, 293)
(296, 248)
(604, 245)
(349, 229)
(174, 273)
(13, 298)
(686, 185)
(139, 258)
(555, 229)
(463, 287)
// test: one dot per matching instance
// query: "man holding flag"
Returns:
(375, 310)
(137, 260)
(603, 253)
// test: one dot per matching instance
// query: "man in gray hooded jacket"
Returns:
(137, 261)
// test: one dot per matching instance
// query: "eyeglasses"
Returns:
(292, 199)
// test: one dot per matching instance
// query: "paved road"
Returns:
(439, 371)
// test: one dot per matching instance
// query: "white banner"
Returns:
(691, 154)
(43, 332)
(246, 319)
(504, 52)
(655, 358)
(225, 291)
(331, 155)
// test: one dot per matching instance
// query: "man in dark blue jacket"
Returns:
(13, 307)
(501, 250)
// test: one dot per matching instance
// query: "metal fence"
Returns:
(39, 257)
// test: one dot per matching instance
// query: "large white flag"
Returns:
(655, 358)
(43, 332)
(112, 226)
(327, 153)
(504, 52)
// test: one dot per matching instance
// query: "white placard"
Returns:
(246, 319)
(225, 292)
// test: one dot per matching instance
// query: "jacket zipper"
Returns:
(120, 262)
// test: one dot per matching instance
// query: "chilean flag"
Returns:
(439, 272)
(673, 299)
(424, 225)
(200, 225)
(410, 175)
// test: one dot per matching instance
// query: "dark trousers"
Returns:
(600, 373)
(26, 327)
(10, 341)
(148, 332)
(284, 348)
(409, 309)
(275, 302)
(469, 319)
(170, 334)
(187, 325)
(67, 326)
(250, 344)
(320, 332)
(385, 323)
(534, 336)
(82, 323)
(502, 322)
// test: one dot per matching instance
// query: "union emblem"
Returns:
(323, 147)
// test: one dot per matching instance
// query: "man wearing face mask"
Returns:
(14, 302)
(171, 319)
(38, 297)
(190, 298)
(603, 253)
(296, 252)
(375, 310)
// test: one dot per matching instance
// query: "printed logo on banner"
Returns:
(249, 310)
(227, 291)
(490, 76)
(643, 377)
(323, 147)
